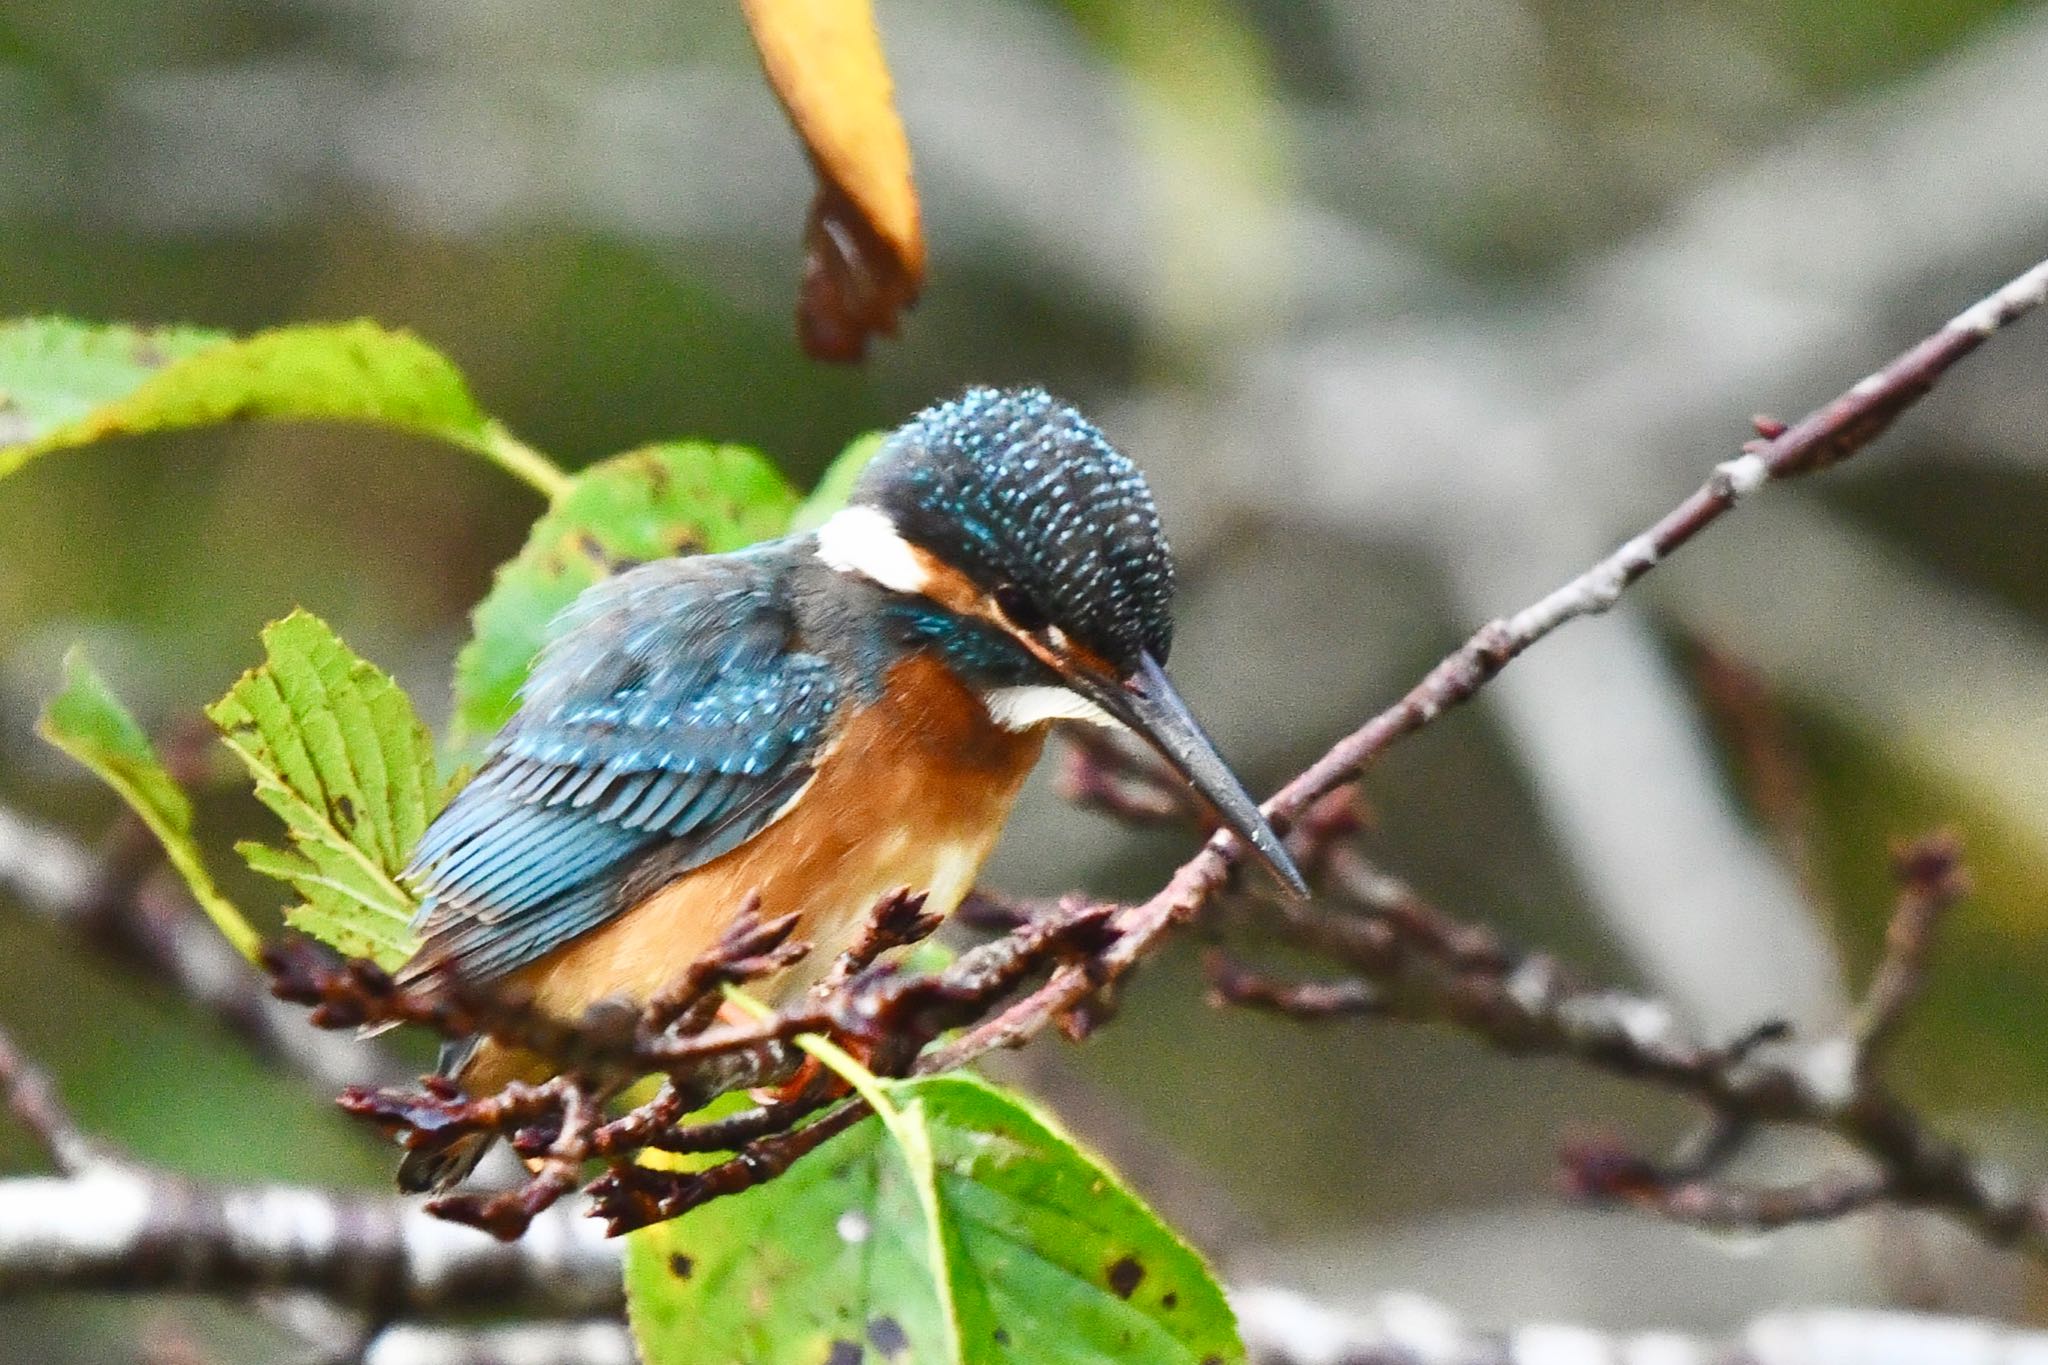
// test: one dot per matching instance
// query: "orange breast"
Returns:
(913, 794)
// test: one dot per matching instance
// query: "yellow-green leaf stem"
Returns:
(65, 384)
(87, 721)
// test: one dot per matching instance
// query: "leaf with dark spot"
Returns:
(843, 1352)
(622, 511)
(987, 1238)
(680, 1265)
(592, 549)
(887, 1335)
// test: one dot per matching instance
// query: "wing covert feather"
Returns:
(672, 712)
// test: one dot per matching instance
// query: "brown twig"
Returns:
(897, 921)
(750, 949)
(1417, 963)
(1083, 951)
(628, 1197)
(1232, 982)
(889, 1014)
(1822, 438)
(1931, 879)
(155, 929)
(557, 1169)
(1099, 772)
(1605, 1172)
(1282, 1327)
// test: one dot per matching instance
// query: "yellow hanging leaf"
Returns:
(863, 246)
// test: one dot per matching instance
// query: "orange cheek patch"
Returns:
(951, 589)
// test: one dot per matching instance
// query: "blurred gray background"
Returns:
(1410, 310)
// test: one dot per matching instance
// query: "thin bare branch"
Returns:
(1281, 1327)
(1822, 438)
(31, 1098)
(141, 918)
(1232, 982)
(1414, 961)
(1601, 1171)
(127, 1230)
(1100, 772)
(1931, 879)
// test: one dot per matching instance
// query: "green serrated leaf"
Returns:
(87, 721)
(340, 758)
(836, 483)
(978, 1235)
(65, 383)
(679, 498)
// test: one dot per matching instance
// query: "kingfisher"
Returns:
(808, 724)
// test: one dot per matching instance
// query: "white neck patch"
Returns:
(861, 540)
(1020, 708)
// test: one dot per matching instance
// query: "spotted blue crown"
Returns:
(1013, 487)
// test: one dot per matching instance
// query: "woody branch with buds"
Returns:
(885, 1013)
(1405, 958)
(1060, 965)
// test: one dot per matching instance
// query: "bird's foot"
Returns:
(791, 1090)
(809, 1075)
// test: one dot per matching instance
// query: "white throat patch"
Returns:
(1020, 708)
(861, 540)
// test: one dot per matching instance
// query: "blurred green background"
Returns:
(1410, 309)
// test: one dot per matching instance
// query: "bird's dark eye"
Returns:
(1019, 610)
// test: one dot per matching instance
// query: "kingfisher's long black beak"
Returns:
(1149, 705)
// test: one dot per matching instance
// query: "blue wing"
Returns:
(672, 718)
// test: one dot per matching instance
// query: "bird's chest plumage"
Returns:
(913, 792)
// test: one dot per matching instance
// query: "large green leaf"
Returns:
(338, 754)
(87, 721)
(65, 383)
(679, 498)
(967, 1231)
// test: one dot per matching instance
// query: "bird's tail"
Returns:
(436, 1170)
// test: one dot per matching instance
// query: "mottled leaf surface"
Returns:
(65, 383)
(87, 721)
(339, 756)
(970, 1230)
(679, 498)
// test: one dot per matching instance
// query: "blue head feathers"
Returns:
(1026, 497)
